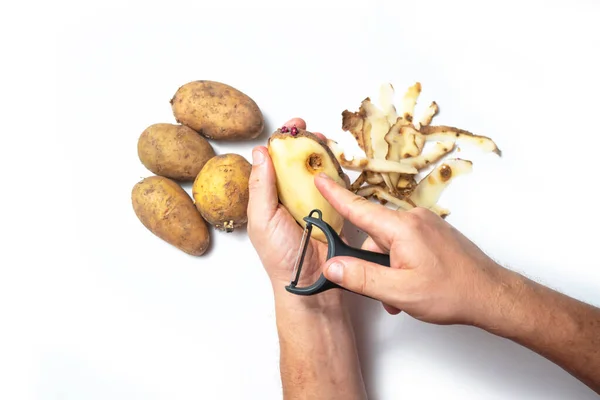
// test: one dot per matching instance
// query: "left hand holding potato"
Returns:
(274, 233)
(310, 328)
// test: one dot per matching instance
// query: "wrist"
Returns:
(328, 301)
(318, 352)
(501, 311)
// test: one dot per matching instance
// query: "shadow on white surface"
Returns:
(268, 129)
(466, 352)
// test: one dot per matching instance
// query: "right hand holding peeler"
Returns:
(335, 247)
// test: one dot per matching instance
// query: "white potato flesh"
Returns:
(386, 101)
(447, 133)
(370, 164)
(381, 194)
(429, 189)
(409, 101)
(424, 160)
(377, 120)
(379, 128)
(292, 159)
(428, 115)
(395, 143)
(412, 142)
(441, 211)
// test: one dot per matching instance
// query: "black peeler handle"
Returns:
(342, 249)
(335, 247)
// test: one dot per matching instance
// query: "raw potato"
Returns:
(168, 212)
(217, 111)
(221, 191)
(297, 159)
(174, 151)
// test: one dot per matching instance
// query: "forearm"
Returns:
(559, 328)
(318, 357)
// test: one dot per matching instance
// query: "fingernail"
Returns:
(257, 157)
(335, 272)
(324, 175)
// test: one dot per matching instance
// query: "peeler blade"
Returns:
(301, 253)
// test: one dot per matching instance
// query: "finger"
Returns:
(391, 309)
(263, 200)
(377, 221)
(370, 245)
(366, 278)
(297, 122)
(320, 136)
(301, 124)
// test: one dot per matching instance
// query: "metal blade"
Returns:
(301, 253)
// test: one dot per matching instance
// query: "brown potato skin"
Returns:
(217, 111)
(174, 151)
(169, 212)
(221, 191)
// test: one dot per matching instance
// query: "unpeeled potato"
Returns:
(168, 212)
(221, 191)
(217, 111)
(174, 151)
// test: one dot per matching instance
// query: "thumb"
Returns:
(366, 278)
(263, 200)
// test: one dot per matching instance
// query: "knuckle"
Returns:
(421, 212)
(254, 184)
(354, 208)
(412, 219)
(363, 279)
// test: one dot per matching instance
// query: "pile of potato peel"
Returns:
(393, 144)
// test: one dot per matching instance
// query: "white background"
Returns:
(93, 306)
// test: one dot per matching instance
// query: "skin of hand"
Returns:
(439, 276)
(318, 357)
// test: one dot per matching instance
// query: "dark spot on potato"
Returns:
(445, 173)
(314, 163)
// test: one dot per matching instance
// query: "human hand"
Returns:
(274, 233)
(310, 328)
(437, 275)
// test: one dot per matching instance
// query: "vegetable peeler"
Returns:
(335, 247)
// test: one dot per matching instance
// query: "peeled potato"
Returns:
(221, 191)
(297, 159)
(168, 212)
